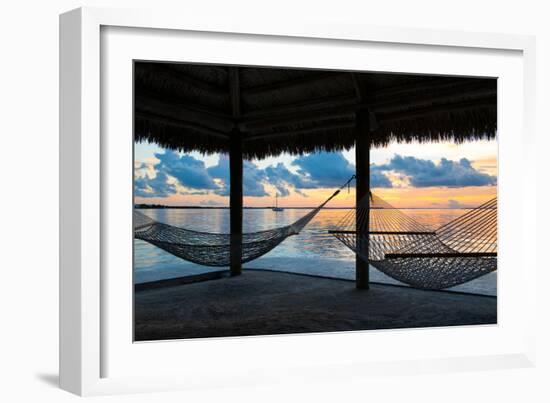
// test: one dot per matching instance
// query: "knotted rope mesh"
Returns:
(405, 250)
(213, 249)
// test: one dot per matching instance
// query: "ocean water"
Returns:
(313, 251)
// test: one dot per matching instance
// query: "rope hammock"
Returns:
(400, 247)
(213, 249)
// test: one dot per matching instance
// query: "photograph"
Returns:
(288, 202)
(270, 200)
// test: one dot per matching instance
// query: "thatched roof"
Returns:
(200, 107)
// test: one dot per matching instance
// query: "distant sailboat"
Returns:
(277, 208)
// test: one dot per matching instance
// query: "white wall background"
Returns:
(29, 196)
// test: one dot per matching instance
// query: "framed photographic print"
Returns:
(234, 201)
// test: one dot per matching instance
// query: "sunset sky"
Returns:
(438, 175)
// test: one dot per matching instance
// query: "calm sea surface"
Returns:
(313, 251)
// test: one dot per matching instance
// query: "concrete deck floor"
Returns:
(263, 302)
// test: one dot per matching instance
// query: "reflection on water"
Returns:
(434, 218)
(313, 242)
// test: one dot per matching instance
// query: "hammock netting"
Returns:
(211, 249)
(390, 240)
(402, 248)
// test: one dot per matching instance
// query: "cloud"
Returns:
(324, 169)
(186, 175)
(282, 178)
(189, 171)
(379, 179)
(328, 170)
(173, 173)
(193, 193)
(212, 203)
(454, 203)
(253, 178)
(447, 173)
(155, 187)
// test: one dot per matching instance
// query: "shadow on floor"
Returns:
(264, 303)
(49, 379)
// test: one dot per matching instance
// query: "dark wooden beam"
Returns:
(141, 90)
(296, 118)
(219, 68)
(166, 70)
(180, 111)
(301, 132)
(362, 189)
(293, 83)
(302, 106)
(428, 85)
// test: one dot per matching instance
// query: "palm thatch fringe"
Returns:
(192, 108)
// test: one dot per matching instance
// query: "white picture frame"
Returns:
(89, 317)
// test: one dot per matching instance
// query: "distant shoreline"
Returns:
(156, 206)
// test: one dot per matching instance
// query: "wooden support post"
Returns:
(236, 202)
(362, 172)
(235, 177)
